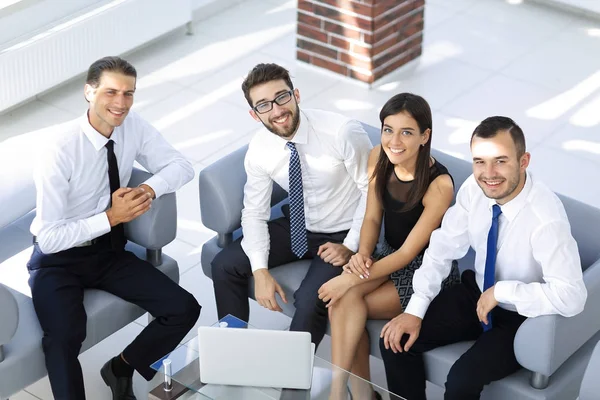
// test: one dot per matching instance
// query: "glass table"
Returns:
(179, 373)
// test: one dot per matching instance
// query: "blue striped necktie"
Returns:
(297, 221)
(489, 277)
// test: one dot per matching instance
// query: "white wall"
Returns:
(29, 19)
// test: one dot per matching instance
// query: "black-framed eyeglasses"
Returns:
(267, 106)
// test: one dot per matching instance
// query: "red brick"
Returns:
(382, 6)
(400, 48)
(302, 56)
(353, 6)
(398, 27)
(393, 14)
(404, 59)
(350, 33)
(394, 40)
(312, 33)
(362, 50)
(310, 20)
(339, 43)
(336, 15)
(305, 5)
(381, 36)
(328, 64)
(315, 48)
(355, 61)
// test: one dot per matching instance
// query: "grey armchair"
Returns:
(21, 356)
(590, 385)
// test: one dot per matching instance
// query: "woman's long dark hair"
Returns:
(419, 109)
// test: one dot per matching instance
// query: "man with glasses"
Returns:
(320, 158)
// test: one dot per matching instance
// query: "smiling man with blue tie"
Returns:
(526, 265)
(320, 158)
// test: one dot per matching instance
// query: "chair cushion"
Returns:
(24, 363)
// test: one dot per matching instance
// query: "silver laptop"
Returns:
(255, 357)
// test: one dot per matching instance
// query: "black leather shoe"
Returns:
(121, 388)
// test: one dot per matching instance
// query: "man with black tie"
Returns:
(320, 158)
(82, 205)
(526, 265)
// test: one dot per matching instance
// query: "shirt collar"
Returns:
(301, 136)
(511, 209)
(96, 138)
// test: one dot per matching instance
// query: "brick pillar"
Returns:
(361, 39)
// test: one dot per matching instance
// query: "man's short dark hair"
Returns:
(263, 73)
(491, 126)
(112, 64)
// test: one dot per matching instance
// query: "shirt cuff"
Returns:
(99, 225)
(258, 261)
(504, 290)
(417, 306)
(158, 184)
(351, 242)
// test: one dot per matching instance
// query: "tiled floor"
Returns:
(481, 57)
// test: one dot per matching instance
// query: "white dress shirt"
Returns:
(538, 269)
(333, 151)
(71, 178)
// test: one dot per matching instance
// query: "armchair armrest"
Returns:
(157, 227)
(543, 344)
(9, 317)
(221, 186)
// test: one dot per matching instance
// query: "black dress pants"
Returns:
(231, 271)
(57, 283)
(451, 318)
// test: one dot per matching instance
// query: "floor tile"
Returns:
(436, 13)
(521, 13)
(452, 135)
(197, 124)
(181, 59)
(189, 224)
(428, 74)
(486, 43)
(283, 48)
(497, 96)
(568, 63)
(232, 76)
(264, 22)
(33, 116)
(577, 141)
(351, 100)
(456, 5)
(186, 256)
(24, 396)
(91, 362)
(556, 169)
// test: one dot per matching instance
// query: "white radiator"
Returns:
(68, 49)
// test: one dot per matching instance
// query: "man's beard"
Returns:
(286, 133)
(512, 184)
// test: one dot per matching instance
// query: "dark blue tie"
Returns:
(489, 277)
(297, 222)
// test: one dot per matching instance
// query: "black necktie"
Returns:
(117, 232)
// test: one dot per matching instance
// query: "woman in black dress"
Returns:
(409, 192)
